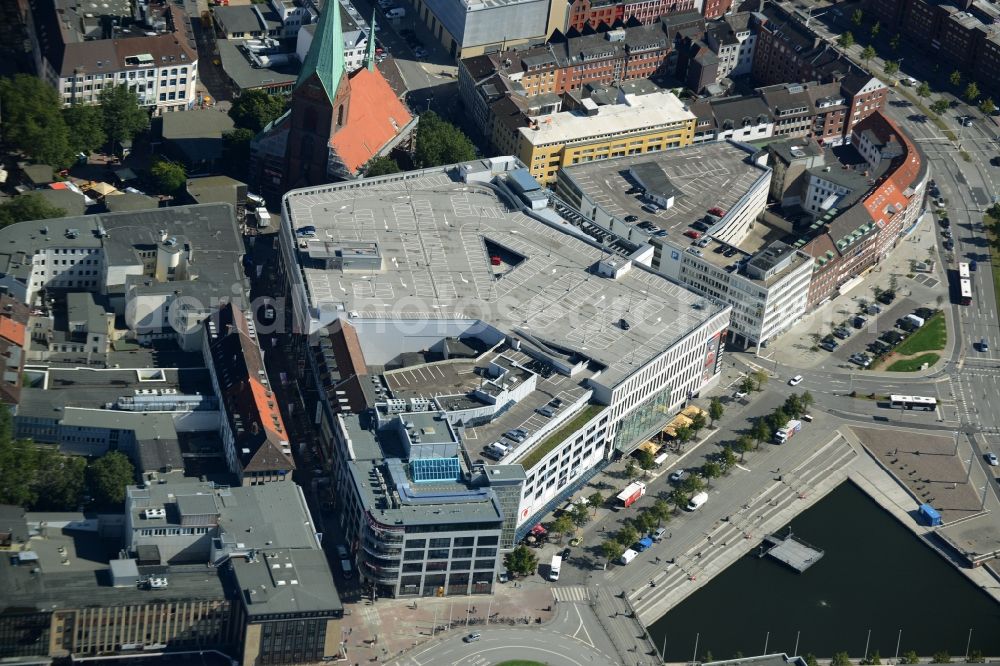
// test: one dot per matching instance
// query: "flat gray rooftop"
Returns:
(435, 236)
(707, 176)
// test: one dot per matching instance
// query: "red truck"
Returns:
(632, 493)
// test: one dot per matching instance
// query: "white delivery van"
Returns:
(396, 12)
(697, 501)
(660, 459)
(263, 218)
(628, 556)
(554, 567)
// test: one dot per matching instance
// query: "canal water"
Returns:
(875, 575)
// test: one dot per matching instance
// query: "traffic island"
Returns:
(917, 352)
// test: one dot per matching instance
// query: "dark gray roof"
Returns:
(653, 178)
(247, 77)
(287, 581)
(246, 18)
(130, 202)
(73, 203)
(738, 109)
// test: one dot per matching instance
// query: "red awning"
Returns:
(538, 530)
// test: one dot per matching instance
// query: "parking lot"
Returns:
(876, 325)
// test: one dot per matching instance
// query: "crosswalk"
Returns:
(571, 593)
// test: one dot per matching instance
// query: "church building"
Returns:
(337, 121)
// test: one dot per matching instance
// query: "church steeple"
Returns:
(370, 57)
(326, 53)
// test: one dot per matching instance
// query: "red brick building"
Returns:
(788, 52)
(964, 34)
(856, 239)
(582, 13)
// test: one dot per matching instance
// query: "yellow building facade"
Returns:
(638, 124)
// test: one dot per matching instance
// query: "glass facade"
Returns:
(644, 419)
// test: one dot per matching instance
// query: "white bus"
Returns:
(913, 402)
(554, 567)
(965, 292)
(963, 270)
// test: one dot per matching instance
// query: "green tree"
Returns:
(876, 28)
(858, 17)
(236, 152)
(521, 561)
(894, 42)
(381, 166)
(910, 657)
(661, 511)
(711, 470)
(987, 106)
(811, 660)
(707, 657)
(924, 90)
(976, 657)
(715, 410)
(679, 498)
(840, 659)
(254, 109)
(890, 67)
(32, 122)
(940, 106)
(760, 431)
(28, 207)
(645, 459)
(793, 406)
(168, 176)
(85, 127)
(846, 40)
(123, 117)
(693, 484)
(807, 400)
(868, 53)
(683, 434)
(698, 422)
(875, 659)
(60, 481)
(19, 462)
(956, 78)
(941, 657)
(627, 535)
(728, 458)
(580, 515)
(777, 419)
(612, 549)
(760, 378)
(439, 142)
(108, 476)
(748, 384)
(595, 500)
(743, 444)
(645, 522)
(971, 92)
(631, 471)
(563, 525)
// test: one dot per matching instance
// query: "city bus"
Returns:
(917, 402)
(965, 292)
(963, 270)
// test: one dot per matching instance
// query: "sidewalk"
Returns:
(390, 627)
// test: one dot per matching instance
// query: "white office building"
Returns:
(607, 349)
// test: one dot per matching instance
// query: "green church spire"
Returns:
(326, 53)
(370, 64)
